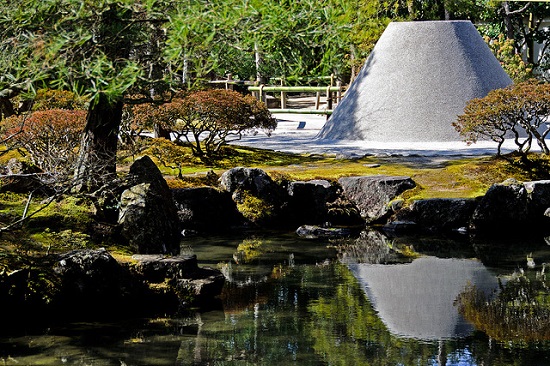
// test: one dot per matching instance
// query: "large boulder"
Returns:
(252, 180)
(258, 197)
(373, 194)
(92, 278)
(503, 209)
(538, 193)
(308, 201)
(437, 214)
(148, 214)
(206, 209)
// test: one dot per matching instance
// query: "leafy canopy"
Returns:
(520, 111)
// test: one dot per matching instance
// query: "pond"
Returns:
(364, 301)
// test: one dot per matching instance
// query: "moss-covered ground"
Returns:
(65, 223)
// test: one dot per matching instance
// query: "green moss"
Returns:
(254, 209)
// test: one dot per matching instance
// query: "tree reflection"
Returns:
(519, 314)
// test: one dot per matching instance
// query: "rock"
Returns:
(317, 232)
(148, 214)
(258, 197)
(538, 193)
(186, 280)
(206, 209)
(22, 177)
(438, 214)
(206, 284)
(155, 268)
(372, 194)
(502, 209)
(92, 277)
(252, 180)
(308, 201)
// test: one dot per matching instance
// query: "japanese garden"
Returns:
(320, 182)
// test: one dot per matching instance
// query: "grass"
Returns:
(435, 177)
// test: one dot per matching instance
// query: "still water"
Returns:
(289, 301)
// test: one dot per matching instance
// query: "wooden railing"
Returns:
(331, 92)
(259, 92)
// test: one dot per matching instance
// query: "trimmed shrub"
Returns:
(520, 111)
(208, 119)
(50, 137)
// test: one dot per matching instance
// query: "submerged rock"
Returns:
(317, 232)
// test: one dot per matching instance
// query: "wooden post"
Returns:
(339, 92)
(317, 100)
(329, 98)
(283, 95)
(229, 80)
(261, 93)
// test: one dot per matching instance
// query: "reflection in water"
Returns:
(417, 299)
(291, 302)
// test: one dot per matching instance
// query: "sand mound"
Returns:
(416, 81)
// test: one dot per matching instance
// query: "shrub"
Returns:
(50, 137)
(209, 119)
(169, 154)
(46, 99)
(520, 110)
(511, 61)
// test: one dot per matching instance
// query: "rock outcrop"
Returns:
(373, 194)
(513, 207)
(436, 215)
(503, 206)
(260, 199)
(308, 201)
(148, 215)
(94, 279)
(182, 275)
(206, 209)
(253, 180)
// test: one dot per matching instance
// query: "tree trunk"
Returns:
(508, 25)
(96, 163)
(6, 108)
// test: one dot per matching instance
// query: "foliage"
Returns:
(209, 119)
(520, 313)
(50, 137)
(65, 240)
(46, 99)
(253, 208)
(170, 155)
(511, 61)
(248, 250)
(521, 110)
